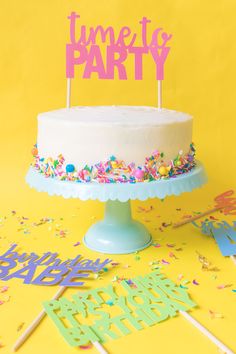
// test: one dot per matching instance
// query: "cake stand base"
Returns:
(117, 233)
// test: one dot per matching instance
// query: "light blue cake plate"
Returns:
(118, 233)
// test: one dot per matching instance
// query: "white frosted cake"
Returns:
(108, 144)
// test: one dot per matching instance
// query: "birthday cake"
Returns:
(109, 144)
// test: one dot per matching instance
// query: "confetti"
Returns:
(157, 245)
(170, 245)
(223, 286)
(3, 289)
(172, 255)
(21, 325)
(206, 264)
(77, 244)
(109, 302)
(195, 282)
(164, 224)
(214, 314)
(163, 261)
(183, 287)
(84, 347)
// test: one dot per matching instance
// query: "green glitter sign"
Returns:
(133, 305)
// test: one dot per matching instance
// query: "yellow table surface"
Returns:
(199, 79)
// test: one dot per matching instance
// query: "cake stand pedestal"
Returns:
(118, 233)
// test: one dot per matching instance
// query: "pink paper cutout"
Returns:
(85, 50)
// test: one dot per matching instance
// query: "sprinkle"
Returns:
(110, 303)
(115, 278)
(172, 255)
(3, 289)
(76, 244)
(84, 347)
(164, 224)
(223, 286)
(214, 314)
(195, 282)
(170, 245)
(21, 325)
(183, 287)
(163, 261)
(114, 170)
(157, 245)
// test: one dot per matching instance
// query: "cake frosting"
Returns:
(114, 143)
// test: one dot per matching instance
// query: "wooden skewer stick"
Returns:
(68, 93)
(198, 216)
(206, 333)
(35, 322)
(159, 94)
(233, 259)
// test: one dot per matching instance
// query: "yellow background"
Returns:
(199, 79)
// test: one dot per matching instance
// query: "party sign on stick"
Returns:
(224, 202)
(86, 44)
(148, 300)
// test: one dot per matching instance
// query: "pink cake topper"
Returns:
(103, 52)
(83, 49)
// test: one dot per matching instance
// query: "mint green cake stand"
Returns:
(118, 232)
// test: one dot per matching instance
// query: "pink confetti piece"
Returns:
(165, 224)
(223, 286)
(1, 302)
(84, 347)
(157, 245)
(195, 282)
(180, 276)
(170, 245)
(163, 261)
(3, 289)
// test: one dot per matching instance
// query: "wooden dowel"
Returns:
(35, 322)
(68, 93)
(197, 216)
(206, 333)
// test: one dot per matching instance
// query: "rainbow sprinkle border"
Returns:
(114, 170)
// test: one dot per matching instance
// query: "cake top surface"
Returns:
(125, 115)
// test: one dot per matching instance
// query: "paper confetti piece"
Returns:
(21, 325)
(3, 289)
(183, 287)
(214, 314)
(76, 244)
(170, 245)
(157, 245)
(234, 290)
(223, 286)
(163, 261)
(84, 347)
(109, 302)
(172, 255)
(195, 282)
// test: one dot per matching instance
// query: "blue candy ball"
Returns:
(70, 168)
